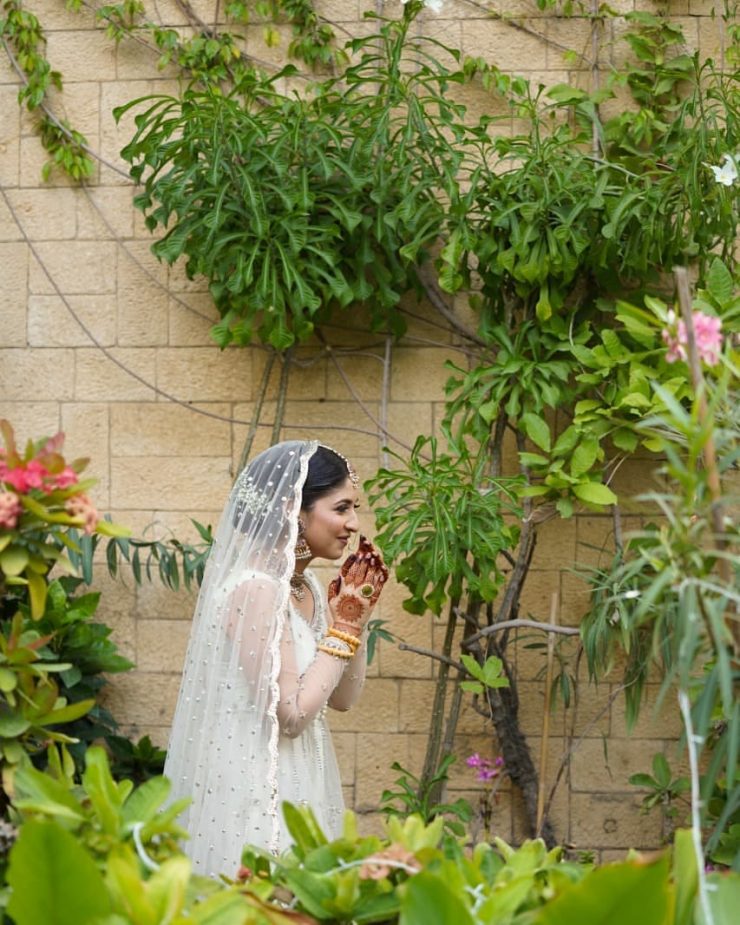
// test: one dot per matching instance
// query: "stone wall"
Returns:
(134, 334)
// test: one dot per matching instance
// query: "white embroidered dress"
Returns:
(250, 729)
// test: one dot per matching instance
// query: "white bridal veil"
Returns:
(223, 750)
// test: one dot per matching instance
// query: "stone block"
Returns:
(55, 17)
(307, 376)
(143, 697)
(9, 230)
(375, 711)
(340, 424)
(503, 44)
(418, 374)
(165, 429)
(655, 721)
(416, 700)
(161, 645)
(593, 718)
(13, 288)
(9, 135)
(46, 214)
(568, 34)
(178, 280)
(51, 323)
(104, 213)
(114, 136)
(535, 599)
(406, 420)
(87, 267)
(87, 435)
(612, 820)
(156, 602)
(191, 317)
(360, 376)
(409, 628)
(345, 747)
(31, 420)
(169, 483)
(42, 375)
(80, 103)
(595, 768)
(575, 599)
(595, 545)
(532, 706)
(82, 56)
(106, 377)
(556, 545)
(203, 374)
(376, 752)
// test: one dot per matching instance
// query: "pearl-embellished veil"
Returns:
(223, 750)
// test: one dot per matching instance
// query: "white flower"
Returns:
(631, 595)
(726, 174)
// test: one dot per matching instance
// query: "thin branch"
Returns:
(523, 624)
(430, 653)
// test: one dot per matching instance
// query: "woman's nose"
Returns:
(353, 523)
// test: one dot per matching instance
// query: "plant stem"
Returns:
(434, 742)
(282, 394)
(252, 432)
(691, 743)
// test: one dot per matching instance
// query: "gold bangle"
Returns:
(337, 653)
(345, 637)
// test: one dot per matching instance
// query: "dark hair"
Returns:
(326, 472)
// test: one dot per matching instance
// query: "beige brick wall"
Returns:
(161, 462)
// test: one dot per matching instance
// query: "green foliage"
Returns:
(438, 514)
(31, 705)
(489, 674)
(667, 599)
(416, 797)
(175, 563)
(663, 788)
(291, 207)
(22, 31)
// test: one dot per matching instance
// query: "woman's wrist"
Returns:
(354, 629)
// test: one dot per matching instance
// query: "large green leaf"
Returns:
(428, 900)
(615, 895)
(594, 493)
(53, 879)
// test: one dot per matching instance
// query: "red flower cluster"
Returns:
(25, 476)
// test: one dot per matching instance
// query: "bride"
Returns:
(269, 652)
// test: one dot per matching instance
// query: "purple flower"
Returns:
(474, 761)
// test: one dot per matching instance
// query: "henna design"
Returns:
(349, 608)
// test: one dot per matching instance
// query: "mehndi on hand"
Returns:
(355, 591)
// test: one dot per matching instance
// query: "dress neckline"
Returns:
(315, 623)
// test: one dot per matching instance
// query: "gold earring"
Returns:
(302, 549)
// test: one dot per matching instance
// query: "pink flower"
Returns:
(10, 510)
(487, 769)
(65, 478)
(24, 477)
(708, 334)
(81, 506)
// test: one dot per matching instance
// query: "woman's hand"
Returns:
(355, 591)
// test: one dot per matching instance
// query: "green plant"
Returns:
(416, 797)
(663, 788)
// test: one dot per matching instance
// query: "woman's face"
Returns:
(331, 521)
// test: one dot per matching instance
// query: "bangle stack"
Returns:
(336, 647)
(351, 640)
(339, 644)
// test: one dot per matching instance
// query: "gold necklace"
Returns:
(298, 586)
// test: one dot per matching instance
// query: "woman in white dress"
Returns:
(269, 652)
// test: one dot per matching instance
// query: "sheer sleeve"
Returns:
(303, 696)
(349, 688)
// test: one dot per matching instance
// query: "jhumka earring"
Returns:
(302, 549)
